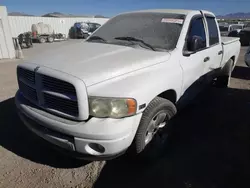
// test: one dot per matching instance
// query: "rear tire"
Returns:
(223, 81)
(152, 132)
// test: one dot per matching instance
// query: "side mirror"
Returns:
(195, 43)
(187, 53)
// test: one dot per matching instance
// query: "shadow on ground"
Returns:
(15, 137)
(210, 148)
(241, 73)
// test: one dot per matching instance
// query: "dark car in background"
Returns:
(234, 33)
(245, 36)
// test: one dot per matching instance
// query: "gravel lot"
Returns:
(210, 147)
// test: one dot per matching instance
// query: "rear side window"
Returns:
(213, 31)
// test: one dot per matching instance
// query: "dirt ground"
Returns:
(210, 145)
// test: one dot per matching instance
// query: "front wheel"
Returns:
(152, 132)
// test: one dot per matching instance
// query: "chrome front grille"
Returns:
(52, 94)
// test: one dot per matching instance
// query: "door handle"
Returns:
(206, 59)
(220, 52)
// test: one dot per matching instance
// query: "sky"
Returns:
(112, 7)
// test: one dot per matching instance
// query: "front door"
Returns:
(193, 65)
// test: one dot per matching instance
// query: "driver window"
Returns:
(197, 29)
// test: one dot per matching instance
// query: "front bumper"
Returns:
(95, 139)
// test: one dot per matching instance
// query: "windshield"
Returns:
(160, 30)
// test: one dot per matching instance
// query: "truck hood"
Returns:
(97, 62)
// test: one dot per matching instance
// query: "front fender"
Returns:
(143, 85)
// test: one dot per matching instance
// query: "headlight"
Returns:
(111, 107)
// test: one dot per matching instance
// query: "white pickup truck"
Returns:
(118, 90)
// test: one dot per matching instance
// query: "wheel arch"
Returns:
(233, 58)
(170, 95)
(228, 66)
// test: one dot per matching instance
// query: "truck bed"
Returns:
(228, 40)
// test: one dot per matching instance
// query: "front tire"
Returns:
(152, 132)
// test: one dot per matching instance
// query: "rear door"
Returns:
(214, 51)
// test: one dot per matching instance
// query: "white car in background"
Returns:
(226, 29)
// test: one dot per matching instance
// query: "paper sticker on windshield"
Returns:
(172, 20)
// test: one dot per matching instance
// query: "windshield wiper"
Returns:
(133, 39)
(96, 38)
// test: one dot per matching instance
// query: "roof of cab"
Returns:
(173, 11)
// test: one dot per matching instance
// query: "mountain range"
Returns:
(237, 15)
(18, 14)
(55, 14)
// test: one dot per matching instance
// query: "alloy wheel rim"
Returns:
(157, 123)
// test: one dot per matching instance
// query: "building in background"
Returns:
(7, 50)
(17, 23)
